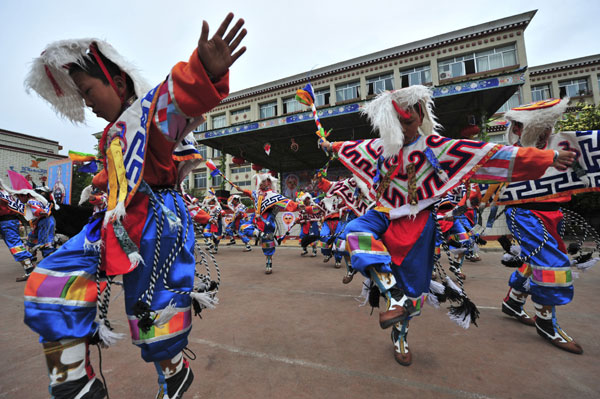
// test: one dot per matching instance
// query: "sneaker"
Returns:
(514, 309)
(231, 242)
(248, 248)
(178, 384)
(348, 277)
(458, 273)
(304, 252)
(337, 265)
(327, 258)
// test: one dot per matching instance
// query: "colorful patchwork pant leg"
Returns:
(267, 238)
(246, 231)
(61, 293)
(9, 231)
(413, 275)
(363, 239)
(163, 342)
(325, 234)
(549, 270)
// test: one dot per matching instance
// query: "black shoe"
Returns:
(178, 384)
(83, 388)
(25, 276)
(231, 242)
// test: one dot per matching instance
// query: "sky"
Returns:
(284, 38)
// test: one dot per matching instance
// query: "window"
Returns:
(268, 110)
(478, 62)
(241, 169)
(218, 121)
(217, 153)
(291, 105)
(216, 181)
(416, 76)
(322, 97)
(202, 127)
(541, 92)
(200, 180)
(244, 183)
(380, 83)
(513, 101)
(237, 116)
(348, 91)
(573, 88)
(202, 150)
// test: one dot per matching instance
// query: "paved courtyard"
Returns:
(299, 333)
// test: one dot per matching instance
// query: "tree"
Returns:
(585, 117)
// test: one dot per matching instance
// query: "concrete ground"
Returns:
(299, 333)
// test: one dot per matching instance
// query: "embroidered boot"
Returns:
(399, 337)
(248, 248)
(455, 267)
(269, 266)
(513, 306)
(174, 377)
(70, 371)
(548, 328)
(398, 306)
(28, 266)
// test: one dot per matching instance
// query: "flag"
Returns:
(214, 171)
(81, 156)
(305, 95)
(18, 181)
(90, 167)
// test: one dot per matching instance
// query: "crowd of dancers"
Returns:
(413, 195)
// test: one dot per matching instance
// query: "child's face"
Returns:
(411, 125)
(100, 97)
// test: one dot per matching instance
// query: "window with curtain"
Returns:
(268, 110)
(377, 84)
(347, 91)
(415, 76)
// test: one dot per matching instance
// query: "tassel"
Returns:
(363, 298)
(587, 264)
(204, 299)
(436, 164)
(435, 287)
(118, 213)
(515, 249)
(464, 314)
(85, 195)
(458, 251)
(107, 336)
(432, 300)
(453, 288)
(89, 246)
(135, 259)
(166, 314)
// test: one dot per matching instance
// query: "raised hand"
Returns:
(217, 54)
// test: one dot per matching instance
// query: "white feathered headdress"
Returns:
(49, 75)
(384, 118)
(536, 118)
(260, 177)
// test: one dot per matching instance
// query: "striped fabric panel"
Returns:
(365, 243)
(76, 289)
(551, 276)
(525, 270)
(179, 324)
(268, 244)
(17, 249)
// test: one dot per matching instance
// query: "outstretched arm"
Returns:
(218, 53)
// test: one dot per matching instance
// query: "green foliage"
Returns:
(586, 117)
(79, 182)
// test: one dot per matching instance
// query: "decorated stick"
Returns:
(215, 171)
(306, 96)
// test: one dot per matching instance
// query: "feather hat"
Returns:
(260, 177)
(384, 110)
(49, 74)
(536, 118)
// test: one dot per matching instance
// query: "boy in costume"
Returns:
(146, 233)
(10, 209)
(407, 171)
(213, 230)
(239, 224)
(43, 224)
(544, 271)
(308, 219)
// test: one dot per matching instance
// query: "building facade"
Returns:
(473, 72)
(27, 155)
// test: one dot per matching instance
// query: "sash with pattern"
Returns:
(127, 141)
(460, 159)
(584, 176)
(269, 200)
(345, 189)
(13, 203)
